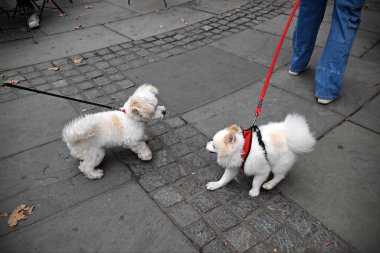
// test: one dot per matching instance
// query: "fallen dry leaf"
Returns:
(30, 209)
(328, 242)
(24, 29)
(53, 68)
(1, 75)
(78, 27)
(17, 215)
(78, 60)
(88, 7)
(237, 8)
(11, 81)
(62, 14)
(4, 214)
(183, 21)
(83, 110)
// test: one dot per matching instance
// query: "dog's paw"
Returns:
(268, 186)
(254, 193)
(145, 157)
(212, 186)
(96, 174)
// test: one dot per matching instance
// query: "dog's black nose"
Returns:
(164, 112)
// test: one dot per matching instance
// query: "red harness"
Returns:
(247, 134)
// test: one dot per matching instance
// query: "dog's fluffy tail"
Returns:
(78, 130)
(298, 135)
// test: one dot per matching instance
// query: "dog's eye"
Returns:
(213, 146)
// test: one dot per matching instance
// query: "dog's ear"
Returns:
(230, 138)
(143, 108)
(233, 128)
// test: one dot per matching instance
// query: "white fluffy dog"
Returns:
(280, 143)
(87, 136)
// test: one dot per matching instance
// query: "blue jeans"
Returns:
(332, 64)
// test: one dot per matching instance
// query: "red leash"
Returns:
(263, 91)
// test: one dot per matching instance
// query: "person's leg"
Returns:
(310, 16)
(27, 5)
(332, 64)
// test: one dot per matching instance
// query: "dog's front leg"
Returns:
(142, 150)
(228, 175)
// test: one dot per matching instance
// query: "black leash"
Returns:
(59, 96)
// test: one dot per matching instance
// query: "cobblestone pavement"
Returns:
(226, 220)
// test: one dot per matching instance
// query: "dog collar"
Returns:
(247, 134)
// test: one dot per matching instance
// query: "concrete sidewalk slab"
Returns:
(123, 220)
(197, 77)
(256, 46)
(239, 107)
(373, 55)
(215, 6)
(338, 183)
(157, 23)
(51, 182)
(23, 53)
(369, 115)
(21, 122)
(100, 13)
(356, 89)
(364, 40)
(145, 7)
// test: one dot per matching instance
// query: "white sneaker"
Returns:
(323, 101)
(33, 21)
(292, 73)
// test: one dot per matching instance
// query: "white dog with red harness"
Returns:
(258, 151)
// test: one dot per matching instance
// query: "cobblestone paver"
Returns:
(226, 220)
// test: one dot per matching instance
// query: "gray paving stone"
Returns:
(17, 137)
(244, 204)
(208, 174)
(200, 233)
(188, 186)
(304, 224)
(215, 6)
(161, 158)
(223, 112)
(327, 241)
(80, 227)
(60, 83)
(241, 238)
(101, 12)
(179, 150)
(330, 190)
(281, 206)
(169, 138)
(205, 202)
(193, 161)
(168, 196)
(204, 74)
(183, 214)
(152, 181)
(224, 219)
(185, 132)
(227, 192)
(158, 129)
(175, 122)
(369, 115)
(364, 40)
(372, 55)
(172, 172)
(257, 46)
(286, 240)
(57, 46)
(264, 224)
(216, 247)
(140, 168)
(197, 142)
(137, 28)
